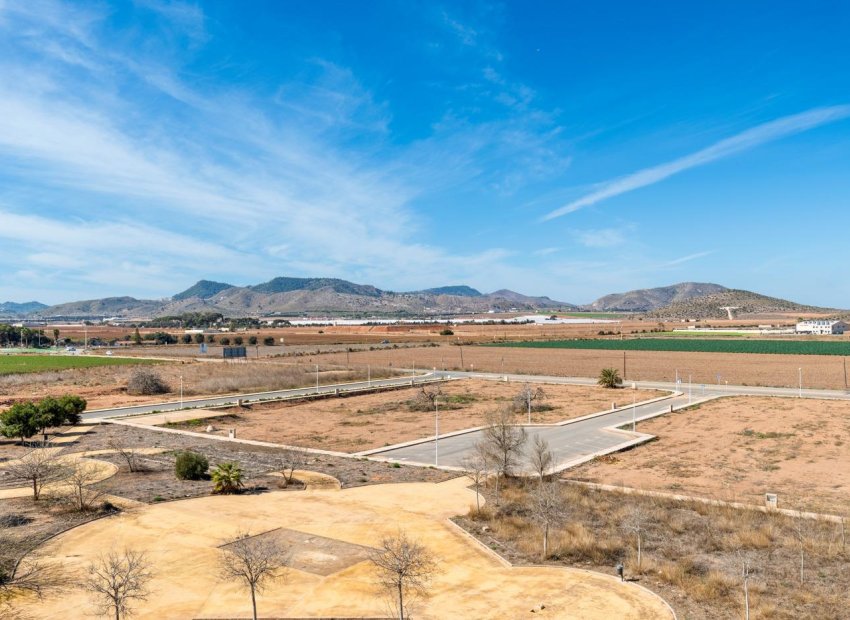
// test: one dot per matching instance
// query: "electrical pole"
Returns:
(317, 378)
(800, 394)
(624, 365)
(436, 430)
(181, 391)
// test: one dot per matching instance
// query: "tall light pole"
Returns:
(436, 430)
(634, 406)
(181, 391)
(317, 378)
(690, 389)
(800, 394)
(369, 374)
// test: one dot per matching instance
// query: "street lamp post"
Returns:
(436, 430)
(800, 393)
(369, 374)
(690, 389)
(634, 407)
(317, 378)
(181, 391)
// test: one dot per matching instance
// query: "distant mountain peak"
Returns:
(649, 299)
(460, 290)
(11, 308)
(203, 289)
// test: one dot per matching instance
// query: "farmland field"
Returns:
(16, 364)
(770, 347)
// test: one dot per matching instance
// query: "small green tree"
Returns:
(226, 477)
(225, 340)
(190, 465)
(199, 338)
(20, 420)
(268, 341)
(238, 340)
(610, 378)
(137, 337)
(252, 340)
(186, 338)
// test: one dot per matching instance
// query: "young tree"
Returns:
(199, 338)
(524, 401)
(254, 561)
(81, 476)
(117, 581)
(226, 477)
(541, 457)
(186, 338)
(130, 455)
(252, 340)
(238, 340)
(503, 441)
(610, 378)
(137, 337)
(547, 509)
(405, 569)
(268, 341)
(635, 524)
(476, 468)
(37, 468)
(292, 459)
(801, 529)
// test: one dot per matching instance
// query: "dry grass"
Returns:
(692, 552)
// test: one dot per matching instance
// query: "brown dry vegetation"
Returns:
(106, 386)
(692, 553)
(357, 423)
(819, 371)
(738, 449)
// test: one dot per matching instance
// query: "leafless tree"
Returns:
(405, 569)
(476, 469)
(801, 529)
(37, 468)
(748, 561)
(635, 524)
(292, 459)
(547, 509)
(80, 477)
(254, 561)
(503, 441)
(524, 401)
(145, 381)
(425, 400)
(540, 458)
(23, 572)
(130, 455)
(117, 581)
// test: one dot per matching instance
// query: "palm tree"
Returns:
(610, 378)
(226, 477)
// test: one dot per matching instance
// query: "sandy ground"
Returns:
(358, 423)
(181, 540)
(819, 371)
(738, 449)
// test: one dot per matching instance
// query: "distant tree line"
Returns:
(199, 320)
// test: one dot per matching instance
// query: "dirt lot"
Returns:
(358, 423)
(819, 371)
(741, 448)
(106, 386)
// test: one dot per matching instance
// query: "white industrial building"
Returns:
(821, 327)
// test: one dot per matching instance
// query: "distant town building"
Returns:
(821, 327)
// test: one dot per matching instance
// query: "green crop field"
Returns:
(700, 345)
(16, 364)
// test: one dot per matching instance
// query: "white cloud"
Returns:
(602, 238)
(687, 259)
(751, 138)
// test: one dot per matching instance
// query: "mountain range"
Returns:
(332, 296)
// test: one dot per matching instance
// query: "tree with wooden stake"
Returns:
(526, 398)
(254, 561)
(748, 561)
(405, 569)
(117, 580)
(291, 460)
(502, 442)
(476, 468)
(635, 524)
(547, 509)
(801, 527)
(540, 457)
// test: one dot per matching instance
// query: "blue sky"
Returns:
(569, 149)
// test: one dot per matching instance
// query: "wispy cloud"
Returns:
(687, 259)
(751, 138)
(602, 238)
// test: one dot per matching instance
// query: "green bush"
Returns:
(447, 332)
(268, 341)
(191, 466)
(252, 340)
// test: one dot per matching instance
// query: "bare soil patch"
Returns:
(819, 371)
(740, 448)
(357, 423)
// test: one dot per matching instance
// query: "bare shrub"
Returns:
(635, 524)
(548, 510)
(528, 399)
(146, 382)
(81, 476)
(476, 469)
(540, 457)
(292, 459)
(503, 441)
(130, 455)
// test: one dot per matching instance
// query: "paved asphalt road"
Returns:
(176, 405)
(578, 440)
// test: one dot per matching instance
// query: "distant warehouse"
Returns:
(821, 328)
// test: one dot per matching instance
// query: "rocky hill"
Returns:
(649, 299)
(289, 296)
(747, 304)
(12, 309)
